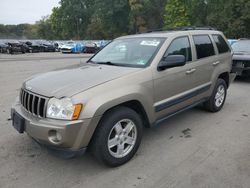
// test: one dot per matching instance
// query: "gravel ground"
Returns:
(194, 149)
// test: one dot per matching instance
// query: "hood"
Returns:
(241, 56)
(72, 81)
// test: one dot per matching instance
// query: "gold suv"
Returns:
(136, 81)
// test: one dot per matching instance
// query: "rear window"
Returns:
(204, 46)
(221, 44)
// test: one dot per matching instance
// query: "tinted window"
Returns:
(180, 46)
(221, 44)
(204, 46)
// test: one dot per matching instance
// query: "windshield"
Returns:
(133, 52)
(241, 46)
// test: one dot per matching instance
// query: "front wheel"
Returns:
(217, 100)
(117, 137)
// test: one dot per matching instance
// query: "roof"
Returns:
(167, 33)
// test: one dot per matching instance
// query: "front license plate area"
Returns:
(18, 122)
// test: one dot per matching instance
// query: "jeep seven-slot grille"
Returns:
(33, 103)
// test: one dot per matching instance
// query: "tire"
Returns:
(108, 130)
(215, 104)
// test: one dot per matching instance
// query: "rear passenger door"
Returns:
(224, 58)
(203, 64)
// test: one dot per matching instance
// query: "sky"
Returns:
(25, 11)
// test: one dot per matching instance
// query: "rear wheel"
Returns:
(117, 137)
(217, 100)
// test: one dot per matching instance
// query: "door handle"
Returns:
(190, 71)
(216, 63)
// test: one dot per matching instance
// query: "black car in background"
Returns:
(47, 47)
(3, 47)
(91, 47)
(15, 47)
(33, 46)
(241, 57)
(25, 46)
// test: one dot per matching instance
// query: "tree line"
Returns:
(107, 19)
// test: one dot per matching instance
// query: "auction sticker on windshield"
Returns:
(150, 43)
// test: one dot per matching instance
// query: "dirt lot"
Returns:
(191, 150)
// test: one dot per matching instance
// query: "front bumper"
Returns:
(64, 50)
(241, 68)
(75, 135)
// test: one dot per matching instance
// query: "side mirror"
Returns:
(172, 61)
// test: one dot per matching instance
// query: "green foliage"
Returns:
(176, 14)
(107, 19)
(18, 31)
(44, 28)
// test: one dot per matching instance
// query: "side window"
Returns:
(221, 44)
(180, 46)
(204, 46)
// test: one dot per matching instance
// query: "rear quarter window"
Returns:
(221, 44)
(204, 46)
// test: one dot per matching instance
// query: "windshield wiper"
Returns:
(110, 63)
(107, 63)
(90, 61)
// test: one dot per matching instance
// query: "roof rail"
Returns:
(194, 28)
(188, 28)
(244, 39)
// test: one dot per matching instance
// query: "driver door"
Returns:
(173, 87)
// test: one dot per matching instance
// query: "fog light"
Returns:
(55, 137)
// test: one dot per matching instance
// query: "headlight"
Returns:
(63, 109)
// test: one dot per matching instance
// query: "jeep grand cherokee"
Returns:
(136, 81)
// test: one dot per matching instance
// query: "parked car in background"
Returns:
(103, 43)
(232, 41)
(56, 45)
(3, 47)
(60, 44)
(46, 46)
(241, 57)
(72, 47)
(91, 47)
(15, 47)
(25, 46)
(33, 46)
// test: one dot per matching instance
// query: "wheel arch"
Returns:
(135, 105)
(225, 77)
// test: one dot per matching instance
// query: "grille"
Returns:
(33, 103)
(242, 63)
